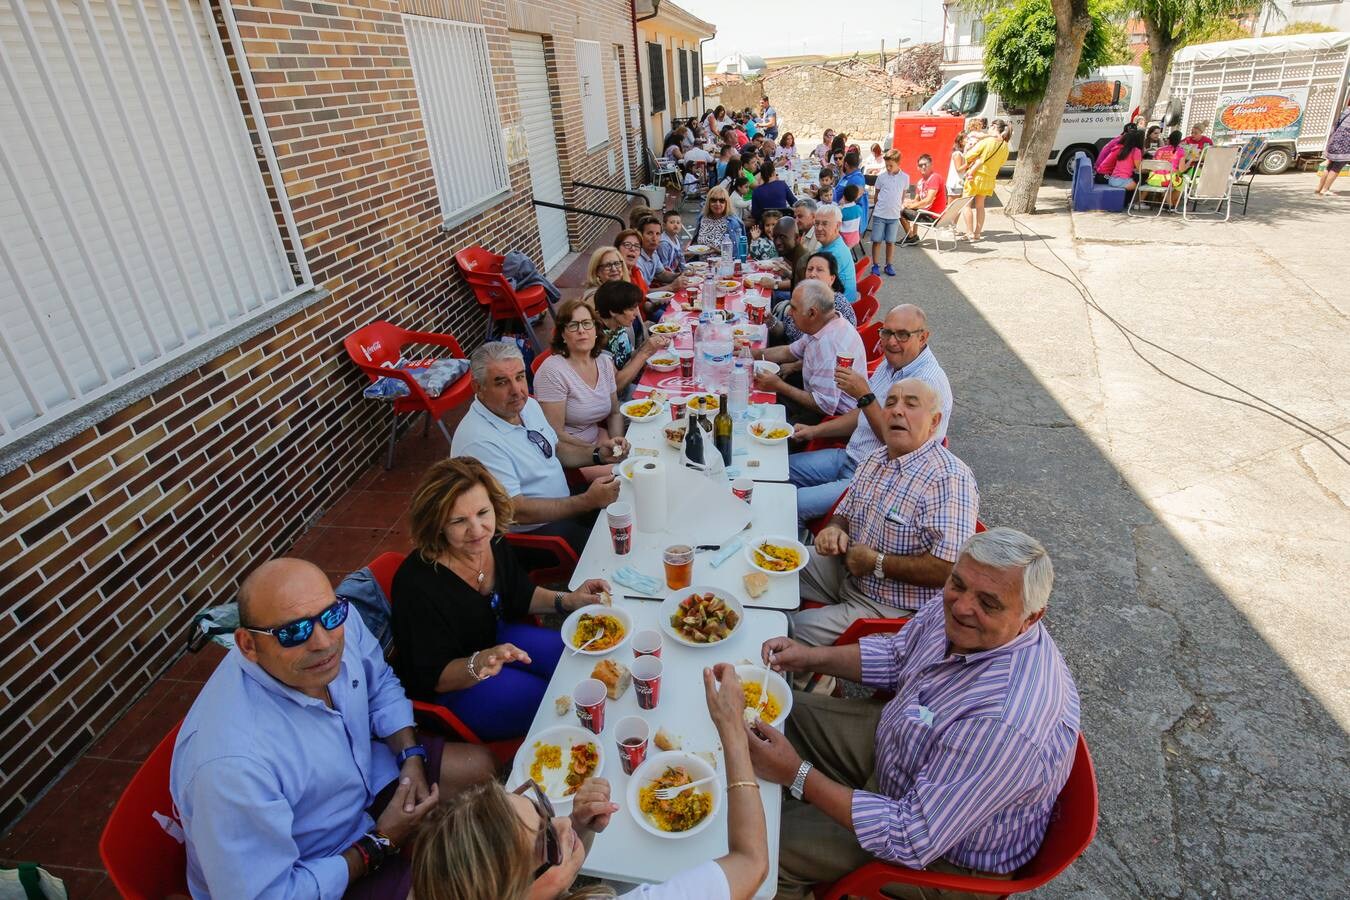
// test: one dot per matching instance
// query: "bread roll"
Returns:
(615, 676)
(666, 741)
(756, 583)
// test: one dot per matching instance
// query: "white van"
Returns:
(1098, 108)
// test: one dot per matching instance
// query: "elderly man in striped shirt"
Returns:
(959, 771)
(892, 540)
(827, 338)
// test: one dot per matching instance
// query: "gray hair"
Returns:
(934, 400)
(1008, 548)
(816, 293)
(807, 204)
(829, 212)
(489, 353)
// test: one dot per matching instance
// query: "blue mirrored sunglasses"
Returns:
(293, 634)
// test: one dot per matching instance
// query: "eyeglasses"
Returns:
(293, 634)
(629, 245)
(583, 325)
(546, 846)
(612, 264)
(900, 335)
(716, 200)
(541, 442)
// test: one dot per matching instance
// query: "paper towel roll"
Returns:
(649, 496)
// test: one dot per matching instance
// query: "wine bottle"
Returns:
(693, 440)
(722, 427)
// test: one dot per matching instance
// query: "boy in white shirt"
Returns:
(891, 187)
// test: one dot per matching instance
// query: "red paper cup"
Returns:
(646, 672)
(743, 487)
(686, 363)
(632, 733)
(844, 362)
(647, 643)
(678, 404)
(620, 527)
(589, 699)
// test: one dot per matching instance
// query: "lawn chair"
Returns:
(482, 269)
(1146, 168)
(1212, 181)
(1245, 169)
(142, 843)
(378, 346)
(665, 173)
(926, 223)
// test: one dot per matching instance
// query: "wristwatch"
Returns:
(408, 753)
(799, 783)
(595, 456)
(878, 565)
(557, 603)
(866, 400)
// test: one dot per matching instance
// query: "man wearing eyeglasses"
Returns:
(297, 772)
(822, 475)
(506, 430)
(930, 194)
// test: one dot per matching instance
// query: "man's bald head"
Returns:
(264, 592)
(910, 321)
(280, 592)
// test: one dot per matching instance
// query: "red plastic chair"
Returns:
(860, 269)
(142, 859)
(871, 338)
(539, 360)
(865, 307)
(483, 271)
(1073, 825)
(381, 342)
(566, 558)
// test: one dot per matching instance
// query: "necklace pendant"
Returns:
(481, 576)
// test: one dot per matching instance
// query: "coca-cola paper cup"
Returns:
(646, 672)
(632, 734)
(647, 643)
(589, 699)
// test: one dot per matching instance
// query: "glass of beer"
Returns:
(679, 563)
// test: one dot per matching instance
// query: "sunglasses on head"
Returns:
(547, 846)
(293, 634)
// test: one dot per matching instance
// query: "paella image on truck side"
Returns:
(1270, 114)
(1097, 94)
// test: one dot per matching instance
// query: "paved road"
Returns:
(1201, 546)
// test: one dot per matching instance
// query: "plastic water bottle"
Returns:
(742, 248)
(712, 365)
(740, 393)
(708, 297)
(724, 264)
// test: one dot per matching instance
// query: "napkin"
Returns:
(727, 551)
(643, 584)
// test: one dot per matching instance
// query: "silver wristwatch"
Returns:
(799, 783)
(879, 566)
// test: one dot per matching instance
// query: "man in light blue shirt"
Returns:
(505, 429)
(828, 217)
(650, 262)
(822, 475)
(298, 741)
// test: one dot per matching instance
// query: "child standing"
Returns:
(892, 185)
(669, 252)
(852, 216)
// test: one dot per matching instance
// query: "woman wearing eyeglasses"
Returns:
(489, 844)
(606, 265)
(575, 385)
(629, 244)
(717, 221)
(457, 600)
(822, 267)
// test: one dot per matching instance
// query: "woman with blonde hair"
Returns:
(606, 265)
(716, 221)
(456, 601)
(982, 165)
(491, 844)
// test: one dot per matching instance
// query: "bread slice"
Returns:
(615, 676)
(664, 740)
(756, 583)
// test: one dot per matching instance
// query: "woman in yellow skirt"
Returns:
(982, 165)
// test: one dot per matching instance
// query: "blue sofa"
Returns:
(1088, 196)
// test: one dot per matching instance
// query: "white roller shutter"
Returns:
(536, 112)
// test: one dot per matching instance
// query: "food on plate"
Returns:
(777, 558)
(675, 436)
(680, 813)
(771, 709)
(704, 619)
(563, 705)
(702, 402)
(641, 409)
(770, 432)
(745, 331)
(614, 675)
(588, 626)
(666, 328)
(663, 361)
(698, 248)
(756, 583)
(664, 740)
(729, 283)
(582, 761)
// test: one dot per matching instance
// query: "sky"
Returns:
(792, 27)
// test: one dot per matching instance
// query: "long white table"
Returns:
(773, 510)
(624, 852)
(773, 458)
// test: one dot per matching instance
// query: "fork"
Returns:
(670, 793)
(764, 686)
(598, 636)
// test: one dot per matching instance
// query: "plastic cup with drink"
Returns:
(686, 358)
(589, 700)
(679, 563)
(646, 672)
(678, 404)
(743, 487)
(844, 362)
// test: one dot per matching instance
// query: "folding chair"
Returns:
(145, 858)
(664, 172)
(931, 223)
(1212, 181)
(1146, 168)
(1245, 170)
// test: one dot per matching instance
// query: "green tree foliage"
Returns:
(1302, 28)
(1020, 49)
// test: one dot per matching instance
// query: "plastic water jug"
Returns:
(724, 263)
(712, 363)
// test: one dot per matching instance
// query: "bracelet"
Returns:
(472, 670)
(749, 784)
(365, 856)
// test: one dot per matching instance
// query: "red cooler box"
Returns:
(919, 133)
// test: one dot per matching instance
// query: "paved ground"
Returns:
(1200, 545)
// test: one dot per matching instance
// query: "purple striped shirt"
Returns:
(973, 750)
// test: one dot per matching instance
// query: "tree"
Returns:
(1172, 24)
(1033, 52)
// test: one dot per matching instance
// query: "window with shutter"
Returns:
(135, 223)
(594, 113)
(695, 76)
(656, 68)
(456, 93)
(684, 76)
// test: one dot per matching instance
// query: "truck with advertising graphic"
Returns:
(1287, 89)
(1097, 109)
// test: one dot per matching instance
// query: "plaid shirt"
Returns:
(819, 352)
(971, 752)
(922, 502)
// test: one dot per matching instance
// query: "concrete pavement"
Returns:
(1201, 545)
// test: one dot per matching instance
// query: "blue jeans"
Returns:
(820, 476)
(504, 705)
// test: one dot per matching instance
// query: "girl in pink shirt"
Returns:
(1127, 162)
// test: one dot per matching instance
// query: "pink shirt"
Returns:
(818, 353)
(1125, 165)
(587, 407)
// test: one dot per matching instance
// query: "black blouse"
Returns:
(437, 616)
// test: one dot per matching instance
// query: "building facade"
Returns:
(1283, 13)
(671, 69)
(198, 203)
(963, 31)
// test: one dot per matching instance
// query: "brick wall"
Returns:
(111, 541)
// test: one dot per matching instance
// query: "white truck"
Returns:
(1287, 89)
(1097, 109)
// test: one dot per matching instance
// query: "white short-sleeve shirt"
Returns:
(519, 463)
(707, 881)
